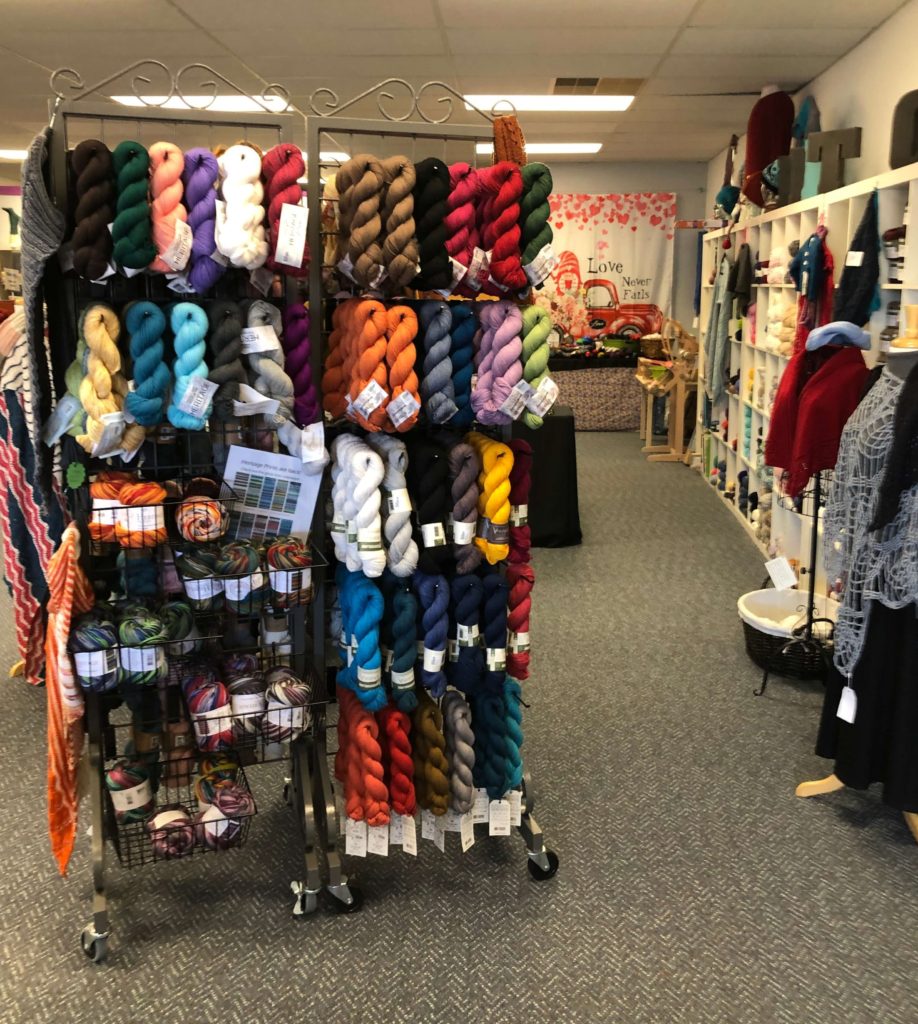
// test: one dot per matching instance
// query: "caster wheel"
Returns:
(540, 874)
(93, 945)
(340, 907)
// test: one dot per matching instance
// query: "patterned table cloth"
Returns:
(602, 397)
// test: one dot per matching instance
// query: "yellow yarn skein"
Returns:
(494, 497)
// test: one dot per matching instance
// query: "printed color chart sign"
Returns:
(274, 496)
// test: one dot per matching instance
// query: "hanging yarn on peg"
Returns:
(502, 185)
(535, 351)
(369, 378)
(269, 378)
(363, 732)
(132, 237)
(401, 548)
(103, 387)
(401, 355)
(140, 522)
(433, 603)
(240, 232)
(494, 630)
(180, 627)
(498, 362)
(509, 143)
(395, 730)
(465, 666)
(493, 531)
(209, 705)
(520, 579)
(513, 735)
(365, 609)
(489, 717)
(199, 180)
(338, 527)
(146, 324)
(462, 355)
(166, 207)
(197, 568)
(289, 571)
(535, 213)
(171, 832)
(245, 588)
(94, 187)
(335, 383)
(282, 168)
(461, 221)
(402, 617)
(428, 482)
(365, 474)
(224, 340)
(400, 245)
(128, 785)
(431, 768)
(361, 183)
(142, 634)
(200, 520)
(189, 329)
(437, 393)
(460, 751)
(287, 714)
(464, 472)
(295, 341)
(347, 759)
(94, 646)
(431, 191)
(520, 485)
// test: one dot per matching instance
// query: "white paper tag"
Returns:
(248, 703)
(499, 818)
(398, 500)
(519, 515)
(478, 268)
(290, 581)
(464, 533)
(847, 706)
(368, 678)
(518, 643)
(261, 279)
(129, 799)
(369, 538)
(197, 397)
(59, 420)
(93, 664)
(103, 277)
(202, 590)
(346, 266)
(285, 719)
(855, 258)
(142, 659)
(452, 821)
(514, 404)
(409, 835)
(179, 251)
(515, 799)
(459, 272)
(141, 518)
(481, 807)
(466, 832)
(291, 235)
(378, 840)
(378, 278)
(433, 535)
(351, 531)
(433, 659)
(251, 403)
(370, 398)
(544, 397)
(403, 680)
(432, 829)
(542, 265)
(781, 573)
(262, 338)
(396, 829)
(402, 408)
(355, 838)
(237, 588)
(112, 430)
(313, 446)
(130, 272)
(496, 658)
(467, 636)
(218, 257)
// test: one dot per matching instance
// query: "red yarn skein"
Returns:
(365, 734)
(500, 229)
(519, 606)
(520, 485)
(396, 727)
(282, 167)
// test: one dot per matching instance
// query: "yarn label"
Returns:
(219, 258)
(369, 538)
(466, 832)
(291, 235)
(452, 647)
(129, 799)
(248, 703)
(262, 338)
(481, 808)
(781, 573)
(252, 403)
(855, 258)
(130, 272)
(106, 274)
(541, 266)
(432, 830)
(141, 518)
(368, 678)
(493, 533)
(197, 397)
(478, 268)
(346, 266)
(202, 590)
(403, 680)
(212, 723)
(402, 408)
(58, 422)
(467, 636)
(143, 659)
(496, 658)
(514, 404)
(338, 525)
(178, 252)
(290, 581)
(355, 838)
(92, 664)
(499, 818)
(519, 515)
(847, 706)
(398, 499)
(543, 398)
(370, 399)
(112, 429)
(433, 659)
(166, 818)
(452, 821)
(312, 448)
(515, 799)
(459, 272)
(285, 722)
(433, 535)
(517, 643)
(261, 278)
(464, 533)
(237, 588)
(403, 831)
(351, 531)
(378, 840)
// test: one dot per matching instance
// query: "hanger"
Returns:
(841, 334)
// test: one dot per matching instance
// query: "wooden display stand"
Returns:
(674, 449)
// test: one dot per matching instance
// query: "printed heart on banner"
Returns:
(641, 207)
(634, 227)
(559, 224)
(655, 219)
(622, 218)
(670, 236)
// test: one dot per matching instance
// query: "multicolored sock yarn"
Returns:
(433, 603)
(140, 522)
(297, 355)
(282, 168)
(245, 587)
(289, 571)
(128, 783)
(132, 237)
(200, 520)
(460, 750)
(142, 634)
(178, 621)
(200, 177)
(171, 832)
(462, 354)
(437, 391)
(197, 568)
(211, 712)
(94, 646)
(288, 698)
(189, 328)
(94, 185)
(146, 324)
(431, 768)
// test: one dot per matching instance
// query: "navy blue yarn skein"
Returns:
(465, 673)
(462, 353)
(400, 632)
(494, 626)
(489, 725)
(433, 602)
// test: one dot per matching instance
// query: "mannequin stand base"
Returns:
(832, 784)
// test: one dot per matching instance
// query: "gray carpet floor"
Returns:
(693, 887)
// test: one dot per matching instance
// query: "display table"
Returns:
(554, 511)
(602, 396)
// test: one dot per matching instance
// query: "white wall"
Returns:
(687, 180)
(860, 90)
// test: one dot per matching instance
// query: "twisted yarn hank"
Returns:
(494, 629)
(535, 352)
(494, 502)
(95, 208)
(365, 473)
(270, 377)
(433, 602)
(462, 354)
(521, 579)
(282, 168)
(460, 750)
(461, 221)
(535, 212)
(400, 247)
(131, 230)
(146, 324)
(513, 734)
(335, 382)
(200, 177)
(368, 347)
(141, 526)
(520, 485)
(360, 182)
(399, 764)
(364, 739)
(437, 392)
(401, 354)
(362, 610)
(503, 185)
(189, 329)
(490, 720)
(166, 167)
(403, 612)
(347, 759)
(499, 366)
(297, 356)
(225, 342)
(401, 548)
(240, 233)
(466, 668)
(431, 768)
(428, 481)
(465, 470)
(431, 191)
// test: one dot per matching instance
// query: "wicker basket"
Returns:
(782, 648)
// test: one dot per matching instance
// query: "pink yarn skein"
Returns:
(498, 362)
(461, 221)
(166, 190)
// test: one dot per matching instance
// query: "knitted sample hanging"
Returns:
(131, 231)
(430, 194)
(400, 245)
(94, 186)
(509, 143)
(282, 168)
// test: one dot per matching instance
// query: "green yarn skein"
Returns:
(536, 329)
(132, 229)
(535, 214)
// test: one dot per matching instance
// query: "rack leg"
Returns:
(543, 863)
(94, 937)
(761, 689)
(305, 893)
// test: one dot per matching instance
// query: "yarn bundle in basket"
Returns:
(94, 646)
(209, 705)
(220, 825)
(171, 832)
(142, 634)
(198, 571)
(245, 587)
(247, 696)
(289, 571)
(200, 519)
(128, 783)
(288, 697)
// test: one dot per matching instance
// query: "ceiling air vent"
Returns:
(596, 86)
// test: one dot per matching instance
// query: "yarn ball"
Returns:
(237, 664)
(210, 710)
(171, 832)
(289, 563)
(220, 826)
(140, 522)
(142, 634)
(197, 568)
(201, 519)
(247, 696)
(178, 620)
(288, 697)
(128, 782)
(94, 645)
(244, 586)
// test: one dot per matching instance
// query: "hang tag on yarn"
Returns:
(398, 499)
(464, 533)
(369, 678)
(459, 272)
(291, 235)
(403, 680)
(396, 829)
(130, 272)
(251, 403)
(130, 799)
(781, 573)
(478, 268)
(261, 279)
(202, 590)
(493, 533)
(355, 838)
(847, 706)
(237, 588)
(197, 397)
(351, 531)
(433, 535)
(369, 538)
(290, 581)
(141, 518)
(541, 266)
(855, 258)
(481, 808)
(515, 799)
(106, 274)
(518, 643)
(370, 399)
(346, 266)
(433, 659)
(94, 664)
(109, 443)
(467, 636)
(180, 284)
(218, 257)
(262, 338)
(378, 840)
(432, 829)
(409, 835)
(519, 515)
(248, 704)
(466, 832)
(496, 658)
(386, 654)
(402, 408)
(313, 446)
(452, 647)
(378, 280)
(514, 404)
(499, 818)
(337, 525)
(179, 250)
(57, 423)
(544, 397)
(65, 257)
(452, 821)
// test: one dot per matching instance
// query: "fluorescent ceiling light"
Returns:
(535, 148)
(544, 102)
(13, 154)
(208, 104)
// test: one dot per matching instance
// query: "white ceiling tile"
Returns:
(67, 15)
(311, 19)
(793, 15)
(763, 42)
(800, 68)
(55, 48)
(708, 85)
(557, 63)
(349, 45)
(583, 13)
(332, 67)
(549, 39)
(710, 109)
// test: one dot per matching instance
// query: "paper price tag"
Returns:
(370, 399)
(464, 533)
(545, 396)
(433, 535)
(92, 664)
(218, 257)
(346, 266)
(290, 581)
(428, 825)
(402, 408)
(519, 515)
(142, 659)
(452, 647)
(351, 531)
(514, 404)
(179, 251)
(112, 430)
(452, 821)
(251, 403)
(378, 278)
(101, 279)
(197, 398)
(499, 818)
(202, 590)
(478, 268)
(466, 832)
(398, 500)
(239, 587)
(355, 838)
(368, 678)
(403, 680)
(409, 836)
(854, 258)
(847, 706)
(459, 272)
(248, 703)
(496, 658)
(515, 799)
(541, 267)
(141, 518)
(261, 279)
(781, 573)
(313, 446)
(481, 808)
(378, 840)
(396, 829)
(369, 538)
(58, 422)
(518, 643)
(291, 235)
(129, 799)
(433, 660)
(130, 272)
(262, 338)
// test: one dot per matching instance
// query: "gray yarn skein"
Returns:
(460, 750)
(464, 469)
(438, 396)
(401, 547)
(225, 342)
(271, 380)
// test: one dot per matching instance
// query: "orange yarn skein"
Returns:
(494, 499)
(401, 354)
(166, 190)
(347, 760)
(145, 525)
(106, 488)
(431, 768)
(396, 727)
(334, 383)
(365, 740)
(368, 360)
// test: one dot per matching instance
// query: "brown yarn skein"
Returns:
(400, 248)
(360, 184)
(509, 143)
(96, 197)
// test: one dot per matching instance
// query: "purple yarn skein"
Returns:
(200, 179)
(295, 341)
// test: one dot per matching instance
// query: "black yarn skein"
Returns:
(224, 339)
(96, 196)
(431, 190)
(428, 484)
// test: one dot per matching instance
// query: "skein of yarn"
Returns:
(200, 520)
(94, 645)
(509, 143)
(395, 726)
(493, 531)
(437, 392)
(146, 324)
(282, 167)
(462, 354)
(433, 603)
(128, 785)
(288, 698)
(535, 214)
(402, 615)
(401, 548)
(267, 365)
(494, 630)
(335, 382)
(369, 379)
(189, 329)
(401, 354)
(171, 832)
(502, 184)
(133, 246)
(178, 622)
(365, 473)
(498, 361)
(199, 179)
(247, 697)
(347, 758)
(513, 734)
(431, 768)
(400, 247)
(520, 579)
(431, 190)
(289, 571)
(466, 660)
(91, 163)
(364, 739)
(362, 619)
(211, 712)
(141, 522)
(225, 342)
(461, 221)
(460, 751)
(465, 470)
(197, 568)
(239, 230)
(535, 351)
(143, 659)
(520, 484)
(297, 352)
(361, 182)
(245, 587)
(166, 208)
(489, 715)
(428, 481)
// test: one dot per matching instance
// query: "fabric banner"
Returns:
(615, 269)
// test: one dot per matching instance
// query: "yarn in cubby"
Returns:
(128, 784)
(245, 586)
(94, 646)
(211, 713)
(289, 571)
(287, 714)
(247, 696)
(431, 768)
(282, 168)
(431, 191)
(200, 519)
(197, 568)
(94, 187)
(171, 832)
(433, 603)
(400, 245)
(166, 207)
(140, 521)
(181, 629)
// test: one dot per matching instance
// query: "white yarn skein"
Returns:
(366, 472)
(340, 449)
(401, 548)
(240, 232)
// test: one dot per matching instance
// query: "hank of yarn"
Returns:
(503, 184)
(437, 392)
(364, 737)
(466, 661)
(494, 630)
(140, 521)
(347, 759)
(431, 767)
(200, 177)
(431, 191)
(245, 588)
(335, 383)
(93, 644)
(464, 471)
(288, 697)
(220, 825)
(535, 212)
(401, 548)
(197, 568)
(238, 663)
(460, 751)
(247, 697)
(433, 594)
(520, 579)
(189, 329)
(104, 491)
(520, 485)
(166, 207)
(400, 247)
(361, 183)
(513, 734)
(289, 572)
(534, 354)
(224, 340)
(365, 473)
(146, 324)
(94, 186)
(461, 221)
(404, 616)
(128, 785)
(297, 362)
(200, 520)
(139, 576)
(270, 379)
(369, 368)
(490, 722)
(428, 482)
(362, 618)
(239, 231)
(499, 368)
(401, 354)
(493, 535)
(171, 832)
(282, 168)
(395, 730)
(99, 394)
(462, 355)
(132, 238)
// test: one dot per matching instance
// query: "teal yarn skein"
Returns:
(513, 735)
(146, 324)
(189, 327)
(132, 228)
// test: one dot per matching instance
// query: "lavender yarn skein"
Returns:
(200, 180)
(436, 388)
(433, 601)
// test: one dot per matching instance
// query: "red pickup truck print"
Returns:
(628, 320)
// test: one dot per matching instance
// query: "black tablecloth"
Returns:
(558, 363)
(554, 511)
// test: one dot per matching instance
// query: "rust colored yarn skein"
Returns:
(369, 360)
(95, 208)
(401, 354)
(334, 382)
